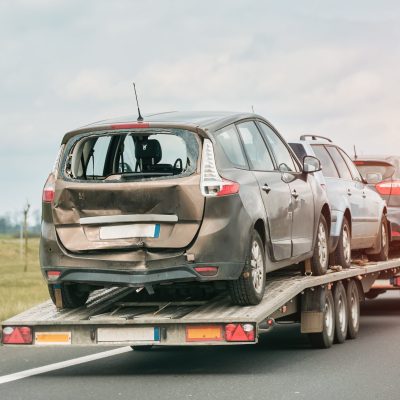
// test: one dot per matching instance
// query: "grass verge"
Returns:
(19, 290)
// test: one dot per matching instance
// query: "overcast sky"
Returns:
(327, 67)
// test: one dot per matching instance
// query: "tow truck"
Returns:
(327, 309)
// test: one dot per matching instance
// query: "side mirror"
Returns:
(374, 178)
(311, 164)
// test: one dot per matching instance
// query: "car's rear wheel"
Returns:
(320, 258)
(249, 288)
(343, 250)
(383, 255)
(72, 295)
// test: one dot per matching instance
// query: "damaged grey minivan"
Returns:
(179, 198)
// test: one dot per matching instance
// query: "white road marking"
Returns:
(62, 364)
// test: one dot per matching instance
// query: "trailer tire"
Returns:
(72, 296)
(353, 305)
(342, 254)
(324, 339)
(320, 258)
(250, 287)
(341, 312)
(383, 254)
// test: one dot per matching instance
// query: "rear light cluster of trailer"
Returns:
(17, 335)
(217, 333)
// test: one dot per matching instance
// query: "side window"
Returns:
(328, 167)
(341, 165)
(228, 140)
(353, 169)
(282, 154)
(299, 150)
(255, 147)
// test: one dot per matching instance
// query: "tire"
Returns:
(142, 348)
(353, 306)
(341, 312)
(72, 295)
(320, 258)
(343, 250)
(250, 287)
(383, 254)
(324, 339)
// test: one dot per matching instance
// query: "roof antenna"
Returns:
(355, 152)
(252, 109)
(139, 118)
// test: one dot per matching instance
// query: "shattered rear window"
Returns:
(132, 155)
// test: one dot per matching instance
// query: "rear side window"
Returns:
(137, 155)
(341, 165)
(228, 140)
(255, 147)
(328, 167)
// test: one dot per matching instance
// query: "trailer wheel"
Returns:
(142, 348)
(383, 254)
(353, 301)
(343, 250)
(320, 258)
(72, 295)
(341, 312)
(250, 287)
(324, 339)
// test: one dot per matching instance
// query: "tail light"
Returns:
(388, 188)
(49, 189)
(212, 184)
(239, 333)
(53, 275)
(17, 335)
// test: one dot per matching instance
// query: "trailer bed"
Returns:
(110, 309)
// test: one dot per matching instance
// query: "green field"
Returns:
(19, 290)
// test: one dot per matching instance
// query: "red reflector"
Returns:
(228, 187)
(131, 125)
(396, 281)
(394, 233)
(239, 333)
(17, 335)
(359, 162)
(49, 189)
(206, 271)
(53, 275)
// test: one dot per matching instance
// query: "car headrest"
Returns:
(149, 151)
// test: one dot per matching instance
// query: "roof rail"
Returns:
(315, 137)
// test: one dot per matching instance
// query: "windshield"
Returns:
(137, 155)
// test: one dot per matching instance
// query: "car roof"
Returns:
(205, 120)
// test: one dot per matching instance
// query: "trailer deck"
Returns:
(110, 318)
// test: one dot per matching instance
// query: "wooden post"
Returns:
(26, 211)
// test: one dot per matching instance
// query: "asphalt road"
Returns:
(281, 366)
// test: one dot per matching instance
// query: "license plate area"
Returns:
(128, 334)
(129, 231)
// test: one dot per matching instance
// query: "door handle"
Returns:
(295, 194)
(364, 195)
(349, 192)
(266, 188)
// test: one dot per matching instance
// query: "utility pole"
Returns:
(26, 211)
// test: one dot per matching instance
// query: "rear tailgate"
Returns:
(136, 208)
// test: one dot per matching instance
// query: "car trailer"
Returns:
(327, 308)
